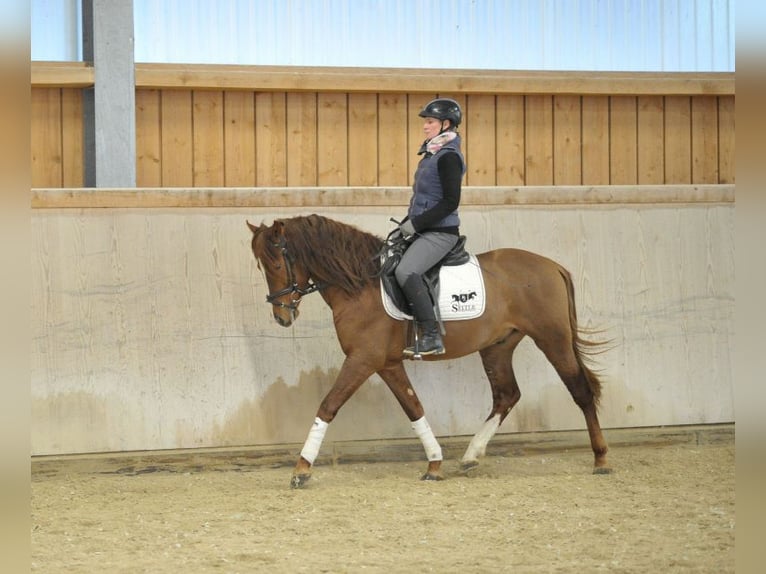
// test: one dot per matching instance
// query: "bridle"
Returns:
(293, 284)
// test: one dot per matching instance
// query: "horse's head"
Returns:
(287, 280)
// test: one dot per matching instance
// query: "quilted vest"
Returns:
(427, 189)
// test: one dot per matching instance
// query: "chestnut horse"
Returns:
(526, 294)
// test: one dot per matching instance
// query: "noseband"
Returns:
(293, 285)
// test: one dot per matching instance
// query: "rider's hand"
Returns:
(407, 229)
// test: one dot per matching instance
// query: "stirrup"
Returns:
(410, 352)
(416, 353)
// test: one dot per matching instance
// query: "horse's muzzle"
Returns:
(285, 316)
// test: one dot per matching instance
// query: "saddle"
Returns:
(456, 256)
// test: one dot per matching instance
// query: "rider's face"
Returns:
(432, 127)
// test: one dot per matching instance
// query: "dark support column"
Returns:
(109, 107)
(88, 99)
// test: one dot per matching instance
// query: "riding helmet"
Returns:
(443, 109)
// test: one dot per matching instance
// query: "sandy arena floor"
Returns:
(666, 508)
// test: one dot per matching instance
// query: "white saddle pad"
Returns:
(461, 293)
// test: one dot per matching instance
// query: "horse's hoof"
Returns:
(468, 466)
(299, 480)
(602, 470)
(431, 476)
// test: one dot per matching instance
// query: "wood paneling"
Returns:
(332, 139)
(270, 139)
(567, 140)
(678, 145)
(72, 138)
(148, 138)
(539, 140)
(177, 139)
(45, 110)
(302, 139)
(204, 137)
(595, 140)
(704, 139)
(510, 152)
(393, 149)
(623, 140)
(363, 139)
(726, 147)
(239, 139)
(208, 141)
(481, 142)
(651, 156)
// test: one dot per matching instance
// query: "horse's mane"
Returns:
(334, 253)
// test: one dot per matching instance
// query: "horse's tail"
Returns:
(583, 348)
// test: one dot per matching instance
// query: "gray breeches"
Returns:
(425, 252)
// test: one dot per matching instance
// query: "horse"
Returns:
(526, 294)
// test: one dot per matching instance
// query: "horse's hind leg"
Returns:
(498, 364)
(584, 387)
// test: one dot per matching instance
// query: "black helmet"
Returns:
(443, 109)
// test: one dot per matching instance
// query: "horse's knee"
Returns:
(327, 410)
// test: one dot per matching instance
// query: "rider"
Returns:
(432, 222)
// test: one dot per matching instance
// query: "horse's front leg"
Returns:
(352, 375)
(302, 470)
(397, 380)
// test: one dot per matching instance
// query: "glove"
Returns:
(407, 229)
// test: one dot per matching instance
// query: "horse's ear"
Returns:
(279, 228)
(253, 228)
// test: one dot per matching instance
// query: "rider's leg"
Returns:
(426, 251)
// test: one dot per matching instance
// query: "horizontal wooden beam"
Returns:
(62, 74)
(327, 79)
(277, 197)
(398, 80)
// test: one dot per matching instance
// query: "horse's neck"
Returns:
(338, 300)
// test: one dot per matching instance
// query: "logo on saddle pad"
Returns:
(460, 293)
(461, 301)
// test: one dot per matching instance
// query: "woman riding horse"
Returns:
(432, 222)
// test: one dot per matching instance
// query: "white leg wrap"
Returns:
(478, 445)
(426, 435)
(314, 440)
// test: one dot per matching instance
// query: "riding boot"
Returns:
(421, 305)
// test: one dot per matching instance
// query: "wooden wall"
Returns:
(214, 126)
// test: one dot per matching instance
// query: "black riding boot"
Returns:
(430, 341)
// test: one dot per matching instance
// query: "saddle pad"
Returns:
(461, 293)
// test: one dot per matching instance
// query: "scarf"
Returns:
(437, 142)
